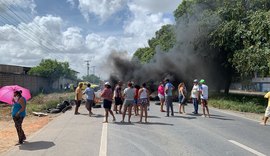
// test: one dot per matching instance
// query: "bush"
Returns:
(42, 102)
(240, 103)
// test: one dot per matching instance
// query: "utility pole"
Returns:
(94, 67)
(88, 66)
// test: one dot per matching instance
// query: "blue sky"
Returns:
(78, 30)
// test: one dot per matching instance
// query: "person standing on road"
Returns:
(267, 110)
(118, 98)
(161, 96)
(90, 96)
(18, 114)
(107, 95)
(182, 91)
(143, 102)
(204, 97)
(169, 97)
(136, 109)
(195, 96)
(78, 98)
(129, 94)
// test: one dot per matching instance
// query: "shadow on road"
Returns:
(217, 115)
(185, 117)
(153, 116)
(94, 115)
(38, 145)
(220, 118)
(158, 123)
(123, 123)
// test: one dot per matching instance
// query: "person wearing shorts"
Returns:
(203, 91)
(90, 96)
(161, 96)
(78, 98)
(107, 95)
(118, 98)
(267, 110)
(129, 94)
(136, 97)
(182, 91)
(143, 102)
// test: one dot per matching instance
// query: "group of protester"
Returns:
(134, 96)
(199, 93)
(137, 97)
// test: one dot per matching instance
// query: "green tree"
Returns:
(53, 70)
(253, 56)
(164, 38)
(91, 78)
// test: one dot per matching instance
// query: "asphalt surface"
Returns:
(181, 135)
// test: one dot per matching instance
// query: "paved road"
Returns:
(181, 135)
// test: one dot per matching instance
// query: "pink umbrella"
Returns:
(7, 93)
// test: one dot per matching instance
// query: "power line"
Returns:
(19, 19)
(29, 36)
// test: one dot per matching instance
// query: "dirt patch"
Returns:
(31, 125)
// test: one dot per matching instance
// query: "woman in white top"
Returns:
(129, 94)
(143, 101)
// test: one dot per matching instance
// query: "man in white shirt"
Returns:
(204, 97)
(195, 96)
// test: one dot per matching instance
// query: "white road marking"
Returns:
(103, 143)
(247, 148)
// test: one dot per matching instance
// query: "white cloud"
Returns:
(72, 39)
(48, 36)
(94, 41)
(26, 4)
(102, 8)
(72, 3)
(157, 6)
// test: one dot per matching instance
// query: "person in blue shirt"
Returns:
(90, 97)
(169, 97)
(18, 114)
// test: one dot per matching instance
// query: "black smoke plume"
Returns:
(191, 58)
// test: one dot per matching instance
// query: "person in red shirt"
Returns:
(107, 95)
(161, 96)
(136, 108)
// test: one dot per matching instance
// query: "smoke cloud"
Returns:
(191, 58)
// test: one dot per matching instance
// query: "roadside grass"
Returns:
(241, 103)
(42, 102)
(38, 103)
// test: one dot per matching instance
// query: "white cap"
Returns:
(107, 83)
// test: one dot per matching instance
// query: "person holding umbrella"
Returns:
(18, 114)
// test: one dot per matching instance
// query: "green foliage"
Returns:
(240, 103)
(42, 102)
(164, 39)
(91, 78)
(53, 69)
(241, 34)
(144, 54)
(246, 38)
(183, 9)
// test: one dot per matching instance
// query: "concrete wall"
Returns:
(13, 69)
(34, 83)
(62, 82)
